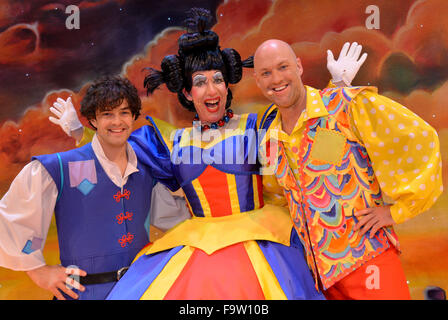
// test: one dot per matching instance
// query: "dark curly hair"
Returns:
(107, 93)
(199, 50)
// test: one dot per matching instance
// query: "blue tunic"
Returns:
(100, 227)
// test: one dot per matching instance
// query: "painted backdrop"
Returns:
(42, 57)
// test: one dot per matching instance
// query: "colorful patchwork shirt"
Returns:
(351, 149)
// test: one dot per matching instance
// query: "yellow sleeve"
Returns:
(87, 137)
(165, 131)
(404, 150)
(272, 192)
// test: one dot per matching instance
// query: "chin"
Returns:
(117, 141)
(213, 117)
(283, 103)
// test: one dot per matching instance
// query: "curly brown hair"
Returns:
(107, 93)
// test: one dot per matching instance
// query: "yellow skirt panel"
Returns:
(213, 233)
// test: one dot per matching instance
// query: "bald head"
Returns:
(273, 46)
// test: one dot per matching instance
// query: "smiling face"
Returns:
(278, 73)
(209, 95)
(114, 126)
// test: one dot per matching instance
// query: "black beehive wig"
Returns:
(198, 51)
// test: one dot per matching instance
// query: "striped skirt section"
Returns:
(249, 270)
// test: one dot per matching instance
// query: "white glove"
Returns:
(347, 66)
(66, 115)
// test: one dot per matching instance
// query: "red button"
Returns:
(125, 239)
(126, 194)
(121, 217)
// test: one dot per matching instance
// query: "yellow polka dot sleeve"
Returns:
(405, 153)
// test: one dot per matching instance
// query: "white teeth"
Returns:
(116, 130)
(279, 88)
(212, 101)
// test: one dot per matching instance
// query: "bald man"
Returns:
(352, 164)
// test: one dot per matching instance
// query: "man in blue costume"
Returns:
(101, 196)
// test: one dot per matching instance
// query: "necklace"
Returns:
(217, 124)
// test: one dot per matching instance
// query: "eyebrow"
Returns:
(278, 64)
(199, 77)
(125, 107)
(119, 109)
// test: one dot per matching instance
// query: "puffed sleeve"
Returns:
(25, 216)
(404, 150)
(167, 210)
(152, 148)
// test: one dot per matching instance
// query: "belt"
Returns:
(105, 277)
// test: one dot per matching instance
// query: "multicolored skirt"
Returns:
(225, 258)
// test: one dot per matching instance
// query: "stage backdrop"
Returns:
(51, 49)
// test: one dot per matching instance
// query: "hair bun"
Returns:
(191, 42)
(198, 36)
(172, 73)
(199, 20)
(232, 60)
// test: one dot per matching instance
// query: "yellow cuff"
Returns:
(87, 137)
(399, 213)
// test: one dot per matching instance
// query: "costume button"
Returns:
(125, 239)
(126, 194)
(121, 217)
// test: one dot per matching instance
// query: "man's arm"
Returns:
(405, 155)
(25, 216)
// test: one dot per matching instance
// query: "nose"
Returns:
(116, 119)
(211, 88)
(276, 77)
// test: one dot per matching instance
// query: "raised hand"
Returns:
(66, 116)
(347, 66)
